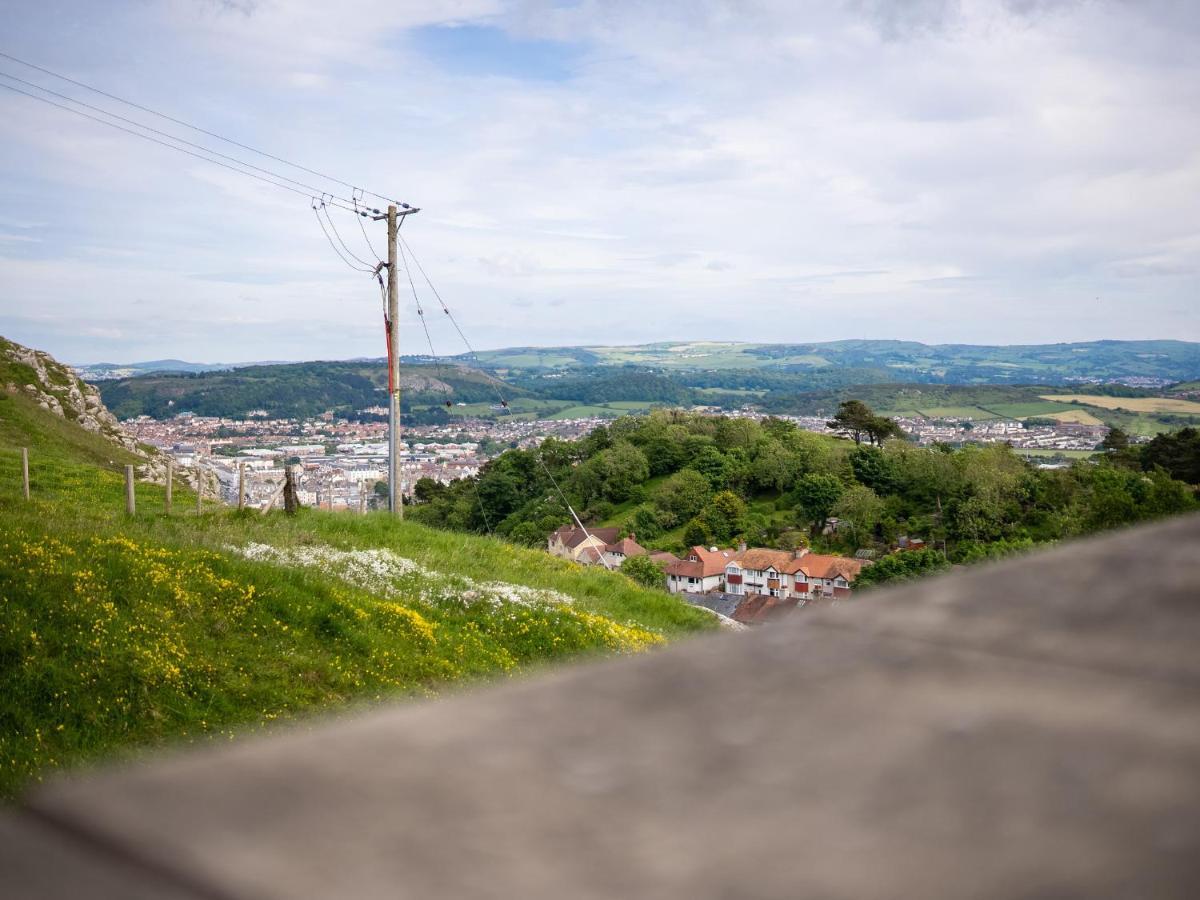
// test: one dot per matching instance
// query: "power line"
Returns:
(168, 135)
(317, 212)
(494, 382)
(197, 128)
(337, 234)
(208, 159)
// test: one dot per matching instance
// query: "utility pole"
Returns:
(395, 494)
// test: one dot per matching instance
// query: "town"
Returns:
(342, 463)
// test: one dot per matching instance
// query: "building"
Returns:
(701, 571)
(781, 574)
(799, 574)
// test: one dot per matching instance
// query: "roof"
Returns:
(724, 604)
(707, 564)
(627, 547)
(573, 537)
(663, 557)
(817, 565)
(758, 608)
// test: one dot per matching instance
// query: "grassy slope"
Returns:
(118, 633)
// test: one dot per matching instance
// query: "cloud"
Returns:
(925, 170)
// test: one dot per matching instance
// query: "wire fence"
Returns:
(158, 486)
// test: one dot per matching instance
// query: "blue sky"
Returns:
(986, 171)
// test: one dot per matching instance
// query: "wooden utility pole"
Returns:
(241, 485)
(130, 496)
(25, 471)
(170, 478)
(199, 489)
(395, 494)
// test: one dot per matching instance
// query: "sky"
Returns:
(608, 172)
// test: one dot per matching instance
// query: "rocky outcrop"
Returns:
(58, 390)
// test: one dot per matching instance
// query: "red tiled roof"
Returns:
(758, 608)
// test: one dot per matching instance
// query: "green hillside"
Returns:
(292, 390)
(118, 633)
(911, 361)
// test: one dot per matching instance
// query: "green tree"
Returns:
(817, 495)
(725, 516)
(697, 533)
(775, 467)
(681, 497)
(644, 571)
(901, 566)
(713, 465)
(1116, 439)
(858, 511)
(646, 523)
(853, 419)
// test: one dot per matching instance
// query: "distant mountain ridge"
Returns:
(1166, 360)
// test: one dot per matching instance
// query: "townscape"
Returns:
(342, 462)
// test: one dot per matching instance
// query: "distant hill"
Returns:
(292, 390)
(609, 381)
(104, 371)
(1166, 360)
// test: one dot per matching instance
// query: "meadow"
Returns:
(120, 633)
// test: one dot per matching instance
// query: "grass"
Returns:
(1134, 404)
(1049, 451)
(119, 633)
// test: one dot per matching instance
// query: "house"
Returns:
(572, 543)
(594, 546)
(783, 574)
(702, 570)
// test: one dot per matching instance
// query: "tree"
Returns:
(858, 511)
(725, 516)
(696, 533)
(713, 465)
(874, 469)
(854, 419)
(1116, 439)
(681, 496)
(775, 466)
(646, 523)
(816, 494)
(644, 571)
(901, 566)
(880, 428)
(1178, 454)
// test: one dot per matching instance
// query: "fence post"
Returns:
(25, 471)
(199, 489)
(241, 485)
(362, 500)
(130, 497)
(170, 478)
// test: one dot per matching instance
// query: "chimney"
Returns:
(741, 546)
(633, 537)
(799, 553)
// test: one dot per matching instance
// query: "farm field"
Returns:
(1047, 451)
(1134, 404)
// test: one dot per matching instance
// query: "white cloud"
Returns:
(966, 171)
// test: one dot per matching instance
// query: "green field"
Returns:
(124, 632)
(1065, 454)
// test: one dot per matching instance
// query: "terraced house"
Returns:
(797, 574)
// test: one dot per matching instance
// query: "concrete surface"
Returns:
(1026, 729)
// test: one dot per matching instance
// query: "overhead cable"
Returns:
(208, 159)
(197, 128)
